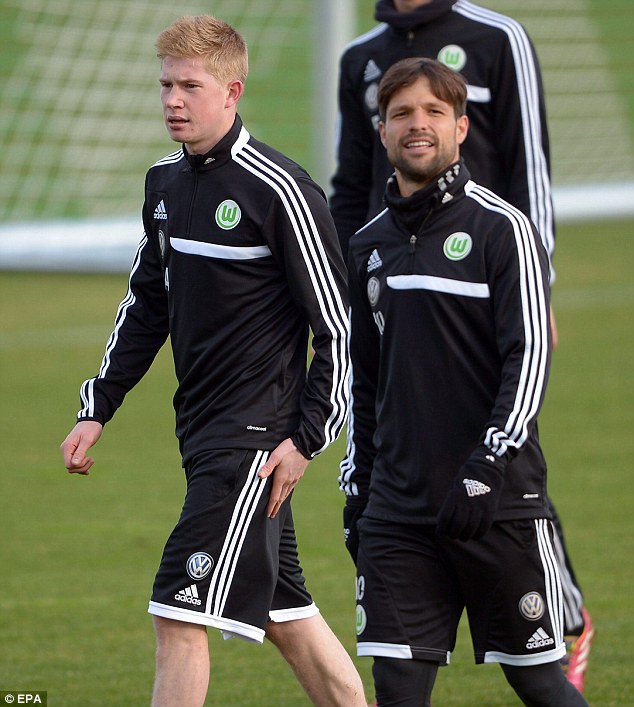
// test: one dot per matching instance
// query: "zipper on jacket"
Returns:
(413, 239)
(192, 202)
(410, 38)
(412, 251)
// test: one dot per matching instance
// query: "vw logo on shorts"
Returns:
(199, 565)
(532, 606)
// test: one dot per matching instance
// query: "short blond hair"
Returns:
(221, 48)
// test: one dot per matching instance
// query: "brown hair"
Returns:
(446, 85)
(218, 44)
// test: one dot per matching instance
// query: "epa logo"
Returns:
(228, 214)
(199, 565)
(24, 698)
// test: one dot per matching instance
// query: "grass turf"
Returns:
(78, 555)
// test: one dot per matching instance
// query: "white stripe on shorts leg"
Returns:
(234, 539)
(554, 598)
(573, 599)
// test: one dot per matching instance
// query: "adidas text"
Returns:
(539, 639)
(188, 596)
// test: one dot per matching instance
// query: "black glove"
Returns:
(471, 503)
(351, 514)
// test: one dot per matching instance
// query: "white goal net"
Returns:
(80, 118)
(80, 115)
(592, 139)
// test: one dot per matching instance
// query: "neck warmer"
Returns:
(404, 21)
(413, 210)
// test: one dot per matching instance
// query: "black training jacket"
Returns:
(450, 349)
(239, 259)
(507, 147)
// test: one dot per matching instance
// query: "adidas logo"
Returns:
(475, 488)
(160, 212)
(539, 639)
(371, 72)
(374, 261)
(189, 595)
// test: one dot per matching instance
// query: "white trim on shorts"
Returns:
(229, 627)
(294, 613)
(384, 650)
(525, 660)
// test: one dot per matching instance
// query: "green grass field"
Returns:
(78, 554)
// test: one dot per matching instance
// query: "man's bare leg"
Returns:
(182, 664)
(320, 663)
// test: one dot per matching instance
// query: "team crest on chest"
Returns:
(453, 56)
(457, 246)
(228, 214)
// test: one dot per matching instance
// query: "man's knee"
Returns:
(274, 631)
(543, 686)
(299, 634)
(171, 633)
(407, 683)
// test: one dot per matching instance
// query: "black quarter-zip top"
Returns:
(450, 350)
(238, 243)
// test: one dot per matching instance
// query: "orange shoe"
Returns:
(577, 653)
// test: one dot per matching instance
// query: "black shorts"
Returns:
(226, 564)
(412, 587)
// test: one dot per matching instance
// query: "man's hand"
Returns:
(287, 466)
(471, 503)
(81, 438)
(351, 514)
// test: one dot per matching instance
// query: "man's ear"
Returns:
(235, 89)
(382, 132)
(462, 128)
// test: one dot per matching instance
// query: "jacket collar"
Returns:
(219, 154)
(413, 210)
(405, 21)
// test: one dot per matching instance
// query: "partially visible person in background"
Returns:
(506, 150)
